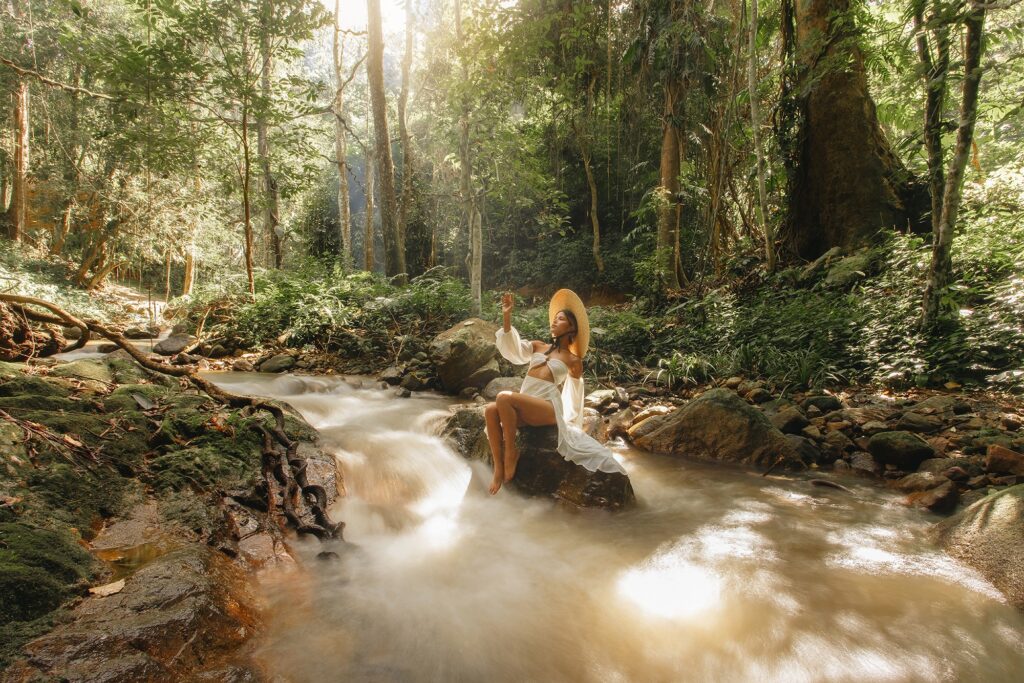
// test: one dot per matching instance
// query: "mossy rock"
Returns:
(122, 399)
(37, 402)
(77, 496)
(205, 467)
(85, 369)
(21, 385)
(39, 570)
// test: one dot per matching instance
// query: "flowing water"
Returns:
(716, 575)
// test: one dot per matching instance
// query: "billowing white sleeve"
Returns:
(572, 401)
(514, 349)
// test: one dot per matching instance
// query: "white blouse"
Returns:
(573, 443)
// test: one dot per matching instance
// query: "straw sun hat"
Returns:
(566, 299)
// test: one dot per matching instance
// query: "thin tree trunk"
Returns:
(394, 250)
(403, 132)
(62, 230)
(17, 212)
(101, 274)
(755, 127)
(935, 73)
(941, 270)
(474, 258)
(271, 209)
(246, 205)
(368, 237)
(341, 142)
(188, 277)
(594, 222)
(668, 190)
(167, 274)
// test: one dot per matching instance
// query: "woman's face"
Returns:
(561, 325)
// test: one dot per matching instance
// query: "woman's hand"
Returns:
(506, 310)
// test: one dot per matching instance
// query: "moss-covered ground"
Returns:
(85, 441)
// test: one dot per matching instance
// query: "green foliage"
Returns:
(322, 306)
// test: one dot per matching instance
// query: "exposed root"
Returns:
(281, 462)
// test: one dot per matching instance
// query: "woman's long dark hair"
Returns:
(572, 335)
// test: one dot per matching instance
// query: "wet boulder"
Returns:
(466, 355)
(902, 449)
(500, 384)
(170, 617)
(542, 471)
(175, 344)
(1003, 460)
(719, 426)
(989, 536)
(278, 363)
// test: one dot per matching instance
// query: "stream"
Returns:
(717, 574)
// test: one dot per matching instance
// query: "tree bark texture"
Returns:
(368, 236)
(474, 259)
(246, 200)
(755, 127)
(847, 183)
(271, 208)
(17, 212)
(408, 165)
(941, 270)
(341, 142)
(394, 250)
(668, 189)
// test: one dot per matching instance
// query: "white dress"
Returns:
(574, 444)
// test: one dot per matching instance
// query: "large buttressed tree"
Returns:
(846, 183)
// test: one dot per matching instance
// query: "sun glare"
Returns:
(353, 14)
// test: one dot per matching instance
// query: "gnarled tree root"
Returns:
(281, 461)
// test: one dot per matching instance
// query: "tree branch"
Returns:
(52, 83)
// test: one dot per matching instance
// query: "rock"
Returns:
(811, 432)
(919, 481)
(758, 395)
(393, 374)
(137, 332)
(942, 499)
(107, 347)
(414, 381)
(460, 352)
(826, 403)
(813, 411)
(916, 422)
(849, 270)
(732, 382)
(651, 411)
(873, 427)
(957, 474)
(863, 464)
(242, 365)
(1003, 460)
(469, 393)
(482, 376)
(943, 405)
(789, 421)
(1011, 423)
(718, 425)
(171, 617)
(541, 470)
(776, 405)
(989, 536)
(402, 393)
(599, 399)
(971, 497)
(902, 449)
(828, 257)
(73, 333)
(174, 344)
(838, 442)
(804, 449)
(278, 363)
(218, 351)
(500, 384)
(618, 424)
(85, 369)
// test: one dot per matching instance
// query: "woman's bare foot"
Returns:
(496, 482)
(511, 460)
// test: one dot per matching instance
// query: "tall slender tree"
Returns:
(394, 250)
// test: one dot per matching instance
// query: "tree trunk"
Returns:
(167, 274)
(394, 250)
(62, 230)
(17, 212)
(474, 259)
(368, 236)
(271, 209)
(188, 278)
(935, 72)
(668, 191)
(755, 127)
(403, 134)
(846, 184)
(341, 142)
(594, 222)
(101, 274)
(941, 270)
(246, 204)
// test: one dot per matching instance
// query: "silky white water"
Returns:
(717, 574)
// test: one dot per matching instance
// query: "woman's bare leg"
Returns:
(494, 439)
(513, 409)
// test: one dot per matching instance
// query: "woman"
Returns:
(539, 401)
